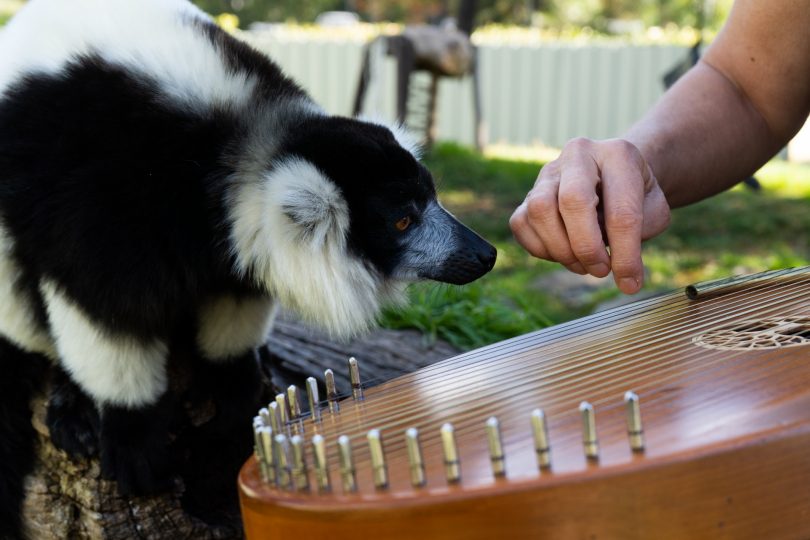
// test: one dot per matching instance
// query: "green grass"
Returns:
(736, 232)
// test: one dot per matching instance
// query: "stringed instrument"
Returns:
(682, 416)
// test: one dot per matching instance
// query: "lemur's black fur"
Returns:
(146, 209)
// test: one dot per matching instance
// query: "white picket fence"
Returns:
(543, 93)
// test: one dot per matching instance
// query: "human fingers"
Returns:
(578, 201)
(623, 192)
(537, 225)
(657, 214)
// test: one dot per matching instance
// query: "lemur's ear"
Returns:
(317, 212)
(406, 138)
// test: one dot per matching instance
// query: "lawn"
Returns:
(739, 231)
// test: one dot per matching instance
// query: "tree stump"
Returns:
(68, 499)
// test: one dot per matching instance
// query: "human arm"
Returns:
(745, 99)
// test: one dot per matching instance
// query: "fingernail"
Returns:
(629, 285)
(600, 269)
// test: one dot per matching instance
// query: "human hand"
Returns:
(596, 194)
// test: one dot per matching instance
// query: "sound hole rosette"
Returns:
(757, 334)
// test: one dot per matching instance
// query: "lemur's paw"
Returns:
(72, 419)
(135, 449)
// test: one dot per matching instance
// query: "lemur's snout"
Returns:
(468, 258)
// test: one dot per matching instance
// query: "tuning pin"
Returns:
(275, 417)
(282, 450)
(347, 473)
(300, 479)
(415, 460)
(589, 440)
(283, 411)
(452, 465)
(541, 441)
(354, 377)
(496, 456)
(331, 391)
(321, 464)
(267, 458)
(378, 467)
(635, 431)
(259, 450)
(314, 401)
(294, 402)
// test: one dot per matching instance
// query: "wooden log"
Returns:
(295, 352)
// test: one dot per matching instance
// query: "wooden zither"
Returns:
(682, 416)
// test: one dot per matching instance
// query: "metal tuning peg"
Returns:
(541, 441)
(294, 402)
(495, 442)
(259, 450)
(417, 464)
(267, 454)
(313, 399)
(452, 465)
(283, 461)
(275, 417)
(321, 464)
(300, 478)
(354, 377)
(589, 440)
(331, 391)
(347, 473)
(635, 431)
(378, 467)
(283, 411)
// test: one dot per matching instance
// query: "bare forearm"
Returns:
(716, 126)
(736, 108)
(703, 136)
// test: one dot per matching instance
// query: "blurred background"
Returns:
(494, 88)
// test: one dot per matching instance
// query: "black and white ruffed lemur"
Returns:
(158, 175)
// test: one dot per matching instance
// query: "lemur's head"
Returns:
(343, 218)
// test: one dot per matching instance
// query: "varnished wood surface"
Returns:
(727, 435)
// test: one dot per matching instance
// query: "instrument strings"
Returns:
(492, 356)
(517, 433)
(756, 300)
(673, 299)
(653, 367)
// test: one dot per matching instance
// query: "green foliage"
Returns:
(250, 11)
(467, 317)
(589, 13)
(736, 232)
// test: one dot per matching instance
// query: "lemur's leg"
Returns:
(22, 374)
(126, 378)
(73, 421)
(229, 332)
(72, 418)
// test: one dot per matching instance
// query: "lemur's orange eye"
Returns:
(403, 223)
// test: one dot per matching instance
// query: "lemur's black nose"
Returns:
(487, 258)
(471, 258)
